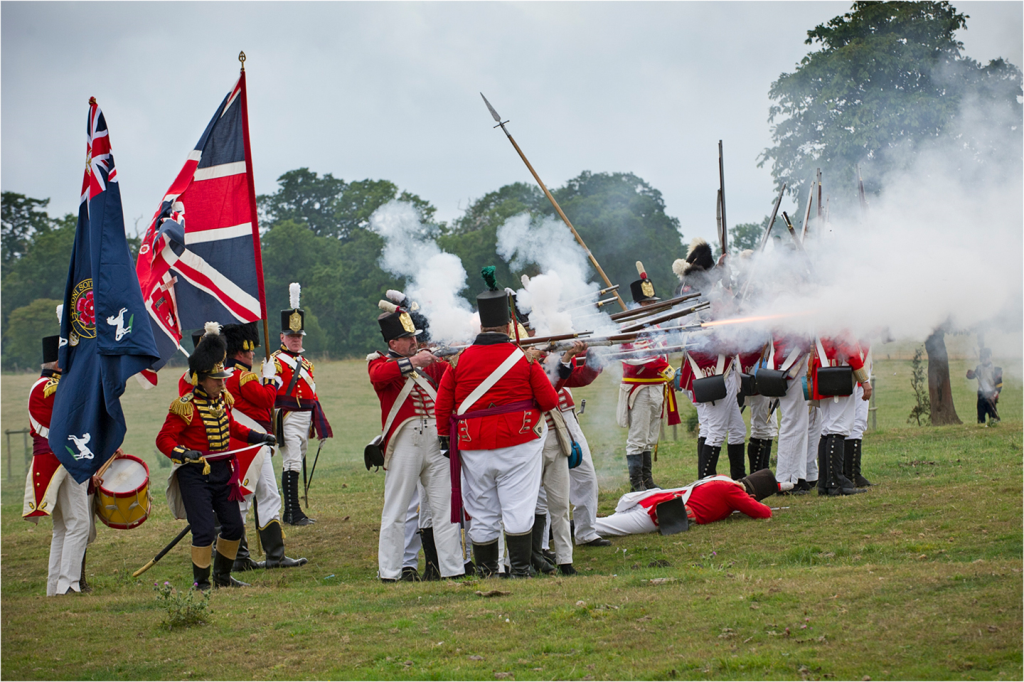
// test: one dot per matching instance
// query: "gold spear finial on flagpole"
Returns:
(241, 58)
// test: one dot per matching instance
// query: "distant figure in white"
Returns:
(119, 321)
(82, 444)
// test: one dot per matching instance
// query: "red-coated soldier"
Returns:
(496, 397)
(837, 411)
(196, 436)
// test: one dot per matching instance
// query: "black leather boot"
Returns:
(201, 567)
(83, 586)
(848, 459)
(567, 569)
(710, 467)
(431, 569)
(647, 471)
(410, 575)
(486, 558)
(700, 455)
(520, 550)
(272, 538)
(244, 562)
(223, 560)
(822, 467)
(835, 453)
(766, 454)
(735, 452)
(857, 479)
(293, 515)
(635, 465)
(754, 454)
(537, 558)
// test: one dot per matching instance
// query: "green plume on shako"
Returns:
(493, 303)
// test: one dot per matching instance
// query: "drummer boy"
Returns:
(50, 491)
(204, 481)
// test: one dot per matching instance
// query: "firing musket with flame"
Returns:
(558, 209)
(639, 326)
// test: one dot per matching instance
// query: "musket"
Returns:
(721, 199)
(819, 193)
(597, 304)
(566, 344)
(558, 209)
(165, 550)
(792, 231)
(666, 317)
(807, 211)
(646, 310)
(540, 340)
(593, 294)
(447, 351)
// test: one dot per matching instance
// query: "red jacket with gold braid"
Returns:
(649, 370)
(44, 463)
(524, 381)
(252, 397)
(388, 374)
(286, 363)
(194, 422)
(838, 352)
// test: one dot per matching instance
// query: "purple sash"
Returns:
(455, 462)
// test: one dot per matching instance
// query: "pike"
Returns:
(723, 228)
(638, 326)
(558, 209)
(651, 309)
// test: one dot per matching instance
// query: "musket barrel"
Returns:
(540, 340)
(665, 318)
(651, 309)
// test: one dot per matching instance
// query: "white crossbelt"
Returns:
(413, 380)
(491, 380)
(301, 370)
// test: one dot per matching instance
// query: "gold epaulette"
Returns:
(183, 407)
(308, 365)
(229, 399)
(246, 378)
(51, 387)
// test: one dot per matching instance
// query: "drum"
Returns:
(122, 501)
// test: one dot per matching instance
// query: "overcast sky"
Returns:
(389, 91)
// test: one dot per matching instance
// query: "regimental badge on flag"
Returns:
(200, 259)
(104, 339)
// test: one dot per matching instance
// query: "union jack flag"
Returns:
(200, 259)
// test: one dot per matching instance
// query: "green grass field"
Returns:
(918, 579)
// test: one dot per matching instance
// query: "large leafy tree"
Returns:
(888, 77)
(888, 80)
(21, 217)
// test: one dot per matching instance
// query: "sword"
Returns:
(165, 550)
(313, 470)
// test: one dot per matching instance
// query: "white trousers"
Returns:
(72, 524)
(268, 499)
(723, 416)
(630, 522)
(702, 420)
(582, 485)
(761, 425)
(837, 415)
(645, 419)
(860, 421)
(413, 542)
(813, 437)
(555, 481)
(296, 440)
(793, 431)
(501, 487)
(417, 457)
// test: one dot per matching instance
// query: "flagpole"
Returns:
(252, 209)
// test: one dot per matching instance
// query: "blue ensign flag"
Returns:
(105, 332)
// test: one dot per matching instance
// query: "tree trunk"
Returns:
(940, 393)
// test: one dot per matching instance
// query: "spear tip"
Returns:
(494, 113)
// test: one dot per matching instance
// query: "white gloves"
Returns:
(270, 372)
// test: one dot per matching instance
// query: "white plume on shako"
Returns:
(434, 277)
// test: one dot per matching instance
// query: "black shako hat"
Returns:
(492, 304)
(643, 288)
(293, 320)
(760, 484)
(419, 320)
(395, 322)
(51, 348)
(207, 360)
(240, 337)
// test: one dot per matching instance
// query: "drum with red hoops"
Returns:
(122, 500)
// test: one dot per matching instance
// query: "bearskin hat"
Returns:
(207, 360)
(698, 258)
(240, 337)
